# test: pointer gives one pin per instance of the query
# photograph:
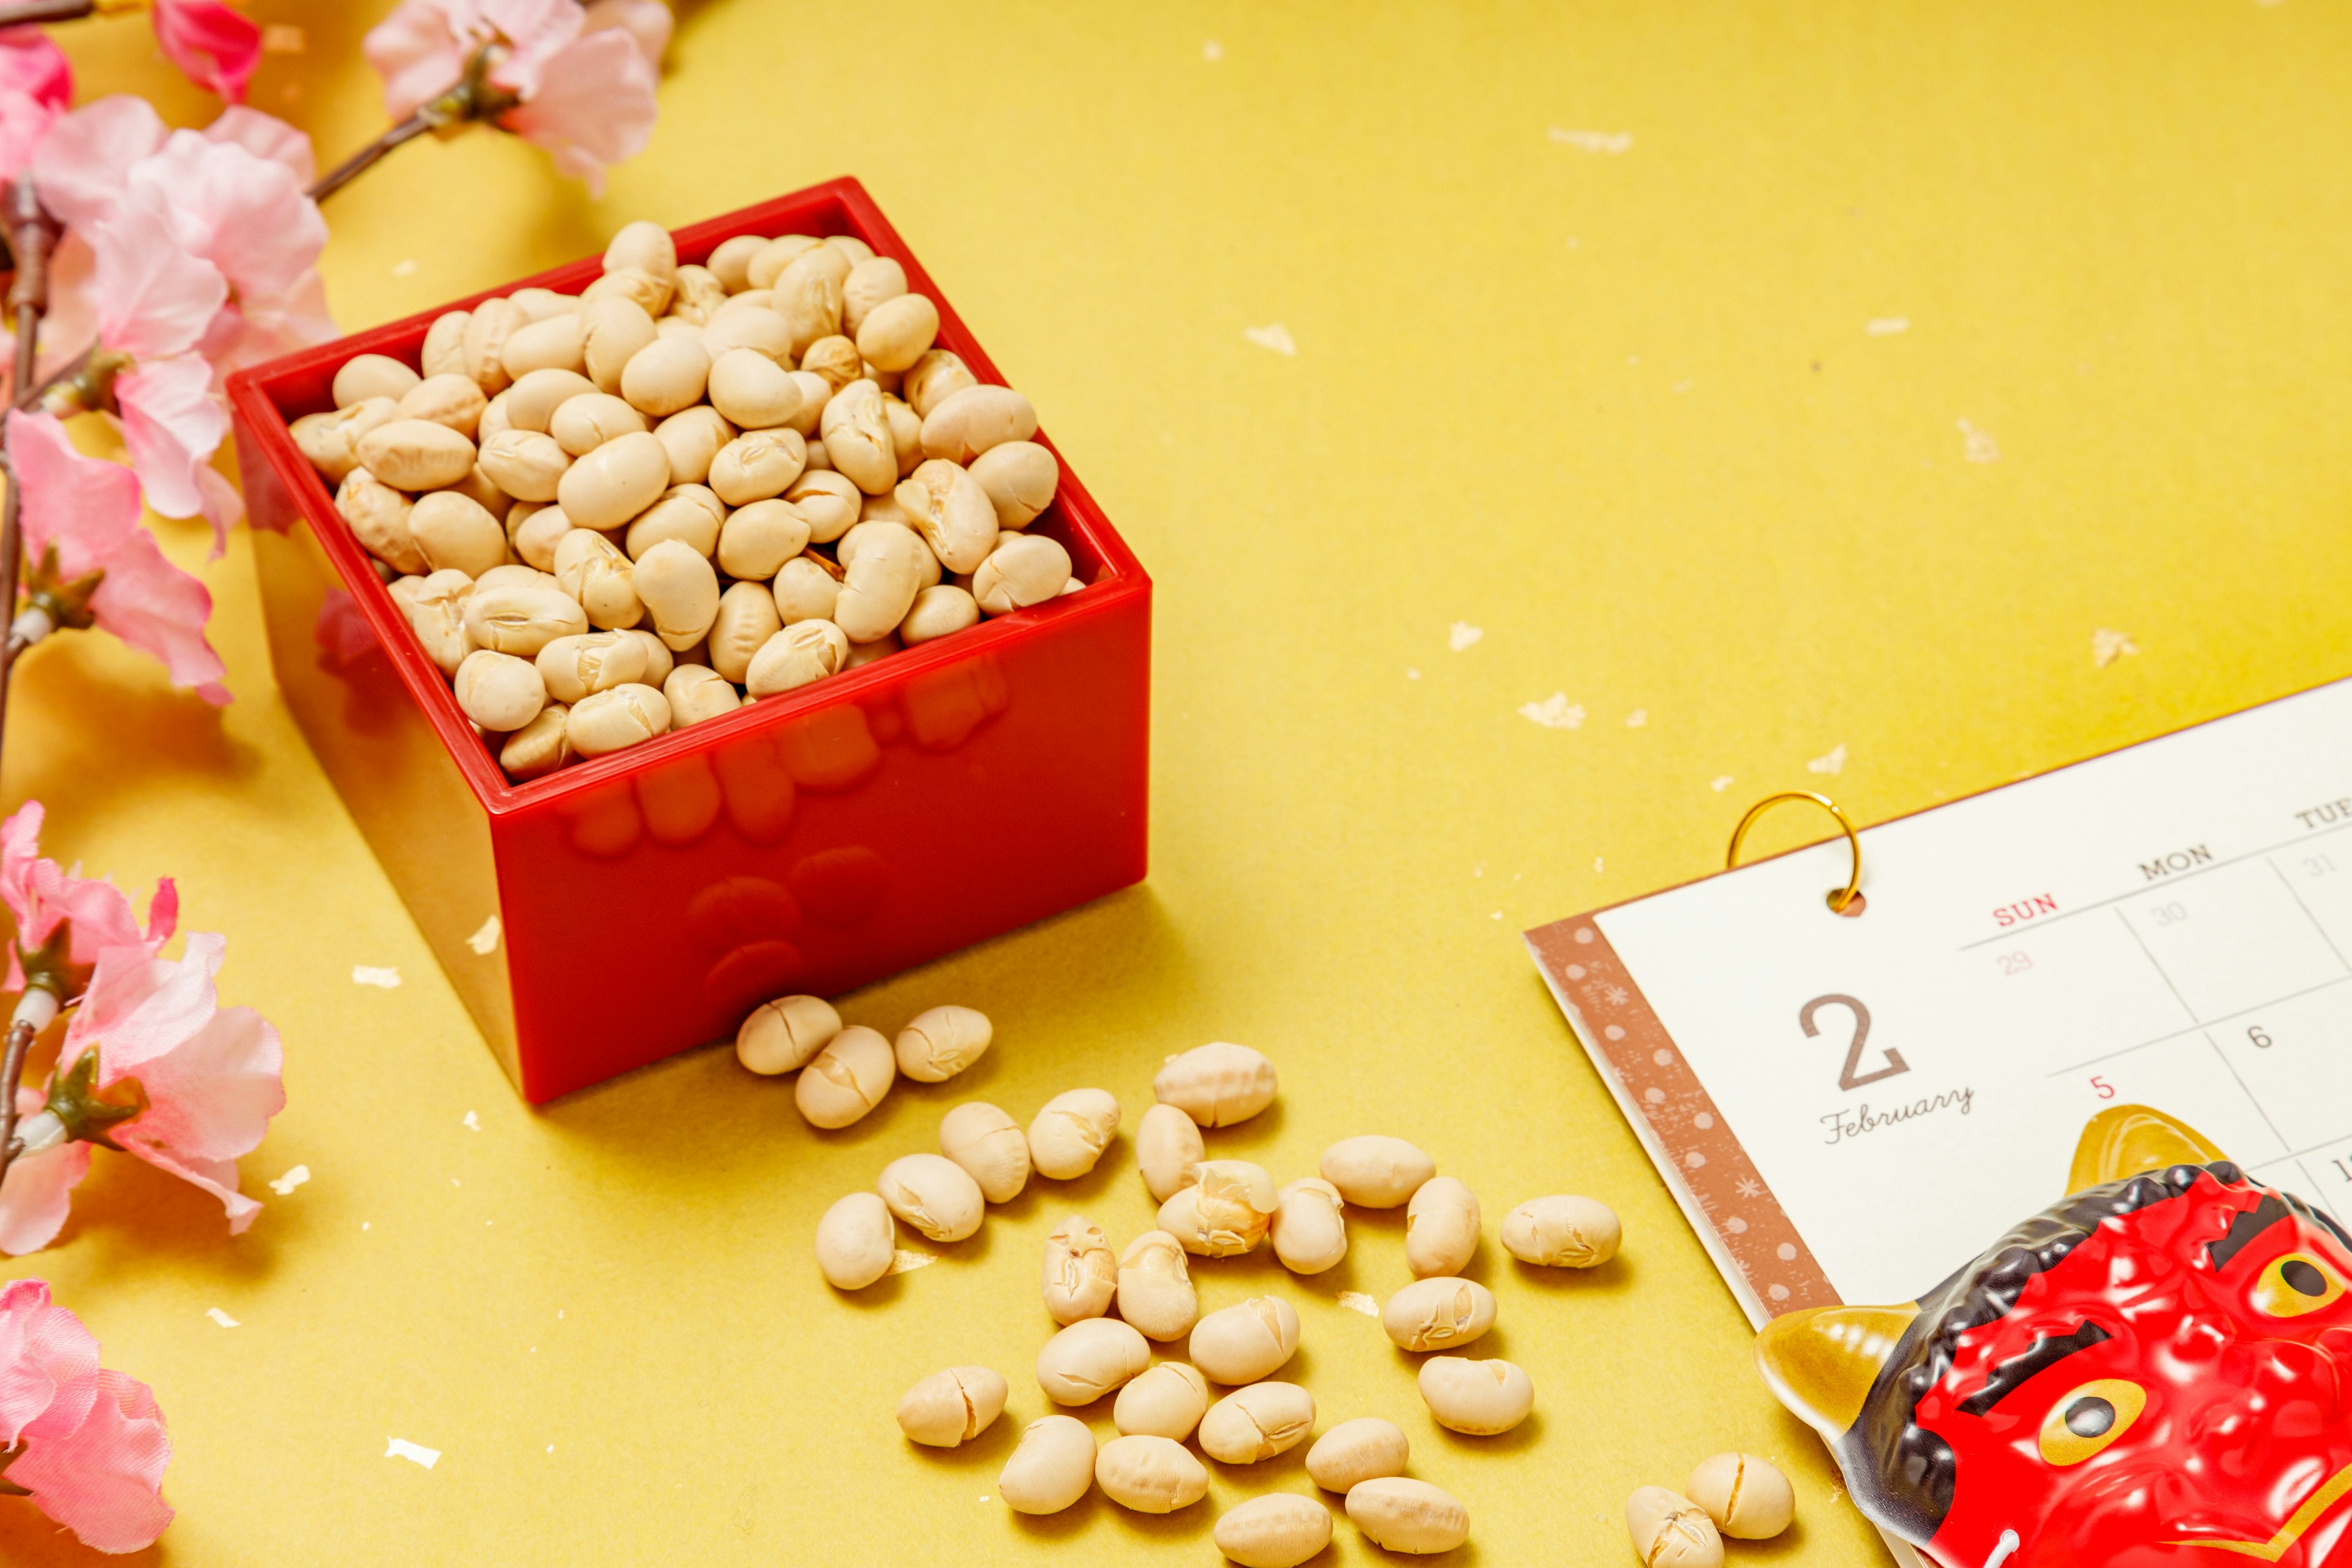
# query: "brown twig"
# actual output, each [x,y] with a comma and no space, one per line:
[30,235]
[12,1073]
[31,398]
[471,97]
[366,158]
[26,13]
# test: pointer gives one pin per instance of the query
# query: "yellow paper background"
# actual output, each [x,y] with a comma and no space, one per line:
[1618,410]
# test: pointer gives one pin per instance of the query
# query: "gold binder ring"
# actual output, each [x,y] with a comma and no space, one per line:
[1845,901]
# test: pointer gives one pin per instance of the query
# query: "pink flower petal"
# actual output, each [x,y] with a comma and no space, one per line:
[421,50]
[647,21]
[223,506]
[24,120]
[173,425]
[35,85]
[38,893]
[594,107]
[162,913]
[265,329]
[140,1008]
[211,1076]
[154,298]
[535,32]
[213,45]
[245,214]
[38,1192]
[90,507]
[157,608]
[218,1177]
[85,508]
[48,1361]
[266,136]
[33,65]
[80,166]
[212,1096]
[102,1477]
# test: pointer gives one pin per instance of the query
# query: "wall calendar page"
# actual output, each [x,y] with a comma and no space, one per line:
[1848,1108]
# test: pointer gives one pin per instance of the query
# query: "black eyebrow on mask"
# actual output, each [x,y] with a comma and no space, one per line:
[2248,1224]
[2045,1351]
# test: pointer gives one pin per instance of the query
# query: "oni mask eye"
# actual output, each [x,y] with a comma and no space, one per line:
[2088,1418]
[2297,1283]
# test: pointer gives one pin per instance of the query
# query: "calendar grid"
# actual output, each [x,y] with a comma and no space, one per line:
[2195,1023]
[2306,908]
[2243,1088]
[2193,1028]
[2174,880]
[2282,1119]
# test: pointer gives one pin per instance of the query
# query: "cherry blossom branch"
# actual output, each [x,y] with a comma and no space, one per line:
[30,235]
[30,398]
[471,97]
[12,1073]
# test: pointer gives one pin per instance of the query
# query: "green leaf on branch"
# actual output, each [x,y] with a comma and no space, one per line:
[65,601]
[86,1111]
[45,966]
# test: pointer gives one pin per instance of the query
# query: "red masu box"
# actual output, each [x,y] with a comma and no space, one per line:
[641,903]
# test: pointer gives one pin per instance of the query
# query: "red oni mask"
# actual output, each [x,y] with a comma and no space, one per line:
[2156,1373]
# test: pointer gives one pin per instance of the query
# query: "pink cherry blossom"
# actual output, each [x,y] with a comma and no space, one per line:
[246,214]
[646,21]
[593,107]
[156,302]
[39,894]
[35,85]
[31,63]
[209,1076]
[266,136]
[89,1444]
[213,45]
[88,510]
[84,163]
[421,50]
[584,94]
[232,195]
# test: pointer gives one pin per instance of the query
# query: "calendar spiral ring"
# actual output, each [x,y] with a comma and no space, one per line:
[1845,901]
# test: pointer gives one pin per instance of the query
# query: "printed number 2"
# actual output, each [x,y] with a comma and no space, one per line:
[1852,1077]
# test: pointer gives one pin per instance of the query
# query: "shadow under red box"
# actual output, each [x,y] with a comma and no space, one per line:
[645,900]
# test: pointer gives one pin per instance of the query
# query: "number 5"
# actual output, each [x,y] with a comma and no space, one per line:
[2104,1089]
[1850,1078]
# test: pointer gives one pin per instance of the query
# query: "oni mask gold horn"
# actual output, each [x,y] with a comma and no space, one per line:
[2131,1141]
[1822,1362]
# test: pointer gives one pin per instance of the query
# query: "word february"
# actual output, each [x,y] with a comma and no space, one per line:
[1846,1124]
